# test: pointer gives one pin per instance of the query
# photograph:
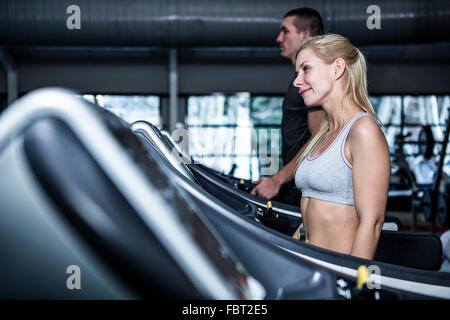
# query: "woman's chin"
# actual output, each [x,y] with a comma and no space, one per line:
[311,103]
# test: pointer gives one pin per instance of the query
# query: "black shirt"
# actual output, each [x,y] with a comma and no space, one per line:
[294,124]
[294,134]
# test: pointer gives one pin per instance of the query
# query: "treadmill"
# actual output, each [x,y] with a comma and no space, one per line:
[282,217]
[414,277]
[80,191]
[287,217]
[279,216]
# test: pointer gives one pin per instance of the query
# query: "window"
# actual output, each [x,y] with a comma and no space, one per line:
[407,115]
[130,108]
[245,130]
[266,114]
[240,130]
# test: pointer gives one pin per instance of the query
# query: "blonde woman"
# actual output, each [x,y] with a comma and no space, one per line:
[344,172]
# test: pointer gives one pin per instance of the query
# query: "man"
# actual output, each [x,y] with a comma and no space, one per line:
[297,26]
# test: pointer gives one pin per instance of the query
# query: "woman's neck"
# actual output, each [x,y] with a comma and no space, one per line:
[339,113]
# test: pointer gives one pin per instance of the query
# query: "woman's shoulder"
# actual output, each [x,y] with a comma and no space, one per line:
[366,130]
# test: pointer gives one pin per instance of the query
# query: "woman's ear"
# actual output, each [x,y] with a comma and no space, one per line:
[338,68]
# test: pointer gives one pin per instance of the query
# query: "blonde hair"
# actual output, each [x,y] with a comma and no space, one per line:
[328,48]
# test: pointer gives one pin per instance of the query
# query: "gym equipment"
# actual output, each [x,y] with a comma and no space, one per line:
[79,189]
[152,137]
[418,250]
[286,218]
[402,178]
[412,245]
[236,230]
[434,200]
[426,142]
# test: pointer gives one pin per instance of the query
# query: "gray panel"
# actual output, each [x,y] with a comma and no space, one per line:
[95,77]
[207,77]
[37,245]
[197,78]
[415,79]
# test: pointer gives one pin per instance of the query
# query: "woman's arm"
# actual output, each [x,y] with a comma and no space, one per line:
[295,235]
[370,160]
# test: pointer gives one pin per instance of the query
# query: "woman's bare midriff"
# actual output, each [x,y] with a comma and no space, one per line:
[329,225]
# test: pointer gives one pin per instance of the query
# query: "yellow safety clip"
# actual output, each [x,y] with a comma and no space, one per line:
[363,277]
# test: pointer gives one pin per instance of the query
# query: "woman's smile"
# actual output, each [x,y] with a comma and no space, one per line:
[304,91]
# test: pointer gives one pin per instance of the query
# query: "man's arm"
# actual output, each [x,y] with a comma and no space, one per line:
[269,187]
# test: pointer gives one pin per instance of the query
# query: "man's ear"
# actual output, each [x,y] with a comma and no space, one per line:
[305,35]
[338,68]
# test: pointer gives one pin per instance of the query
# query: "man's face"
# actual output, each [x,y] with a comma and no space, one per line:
[290,39]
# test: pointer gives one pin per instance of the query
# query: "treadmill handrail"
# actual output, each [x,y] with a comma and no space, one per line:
[246,196]
[174,160]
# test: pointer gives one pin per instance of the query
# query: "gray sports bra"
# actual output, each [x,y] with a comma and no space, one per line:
[328,176]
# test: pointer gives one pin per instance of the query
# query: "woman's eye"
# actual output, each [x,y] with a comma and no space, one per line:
[305,69]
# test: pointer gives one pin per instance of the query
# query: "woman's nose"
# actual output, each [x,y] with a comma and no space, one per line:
[298,81]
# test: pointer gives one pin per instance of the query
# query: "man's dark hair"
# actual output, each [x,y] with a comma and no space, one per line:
[307,19]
